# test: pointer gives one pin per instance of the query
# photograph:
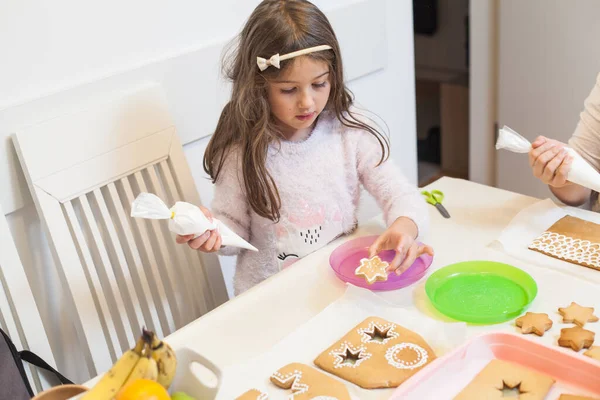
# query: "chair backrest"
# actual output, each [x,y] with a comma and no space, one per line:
[84,171]
[19,315]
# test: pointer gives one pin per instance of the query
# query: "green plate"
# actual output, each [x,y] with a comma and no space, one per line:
[481,292]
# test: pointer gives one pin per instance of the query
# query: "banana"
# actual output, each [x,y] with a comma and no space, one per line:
[164,356]
[146,368]
[112,381]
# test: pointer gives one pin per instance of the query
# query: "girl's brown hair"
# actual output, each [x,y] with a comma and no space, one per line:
[246,124]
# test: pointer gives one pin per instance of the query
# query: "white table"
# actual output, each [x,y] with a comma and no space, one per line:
[270,311]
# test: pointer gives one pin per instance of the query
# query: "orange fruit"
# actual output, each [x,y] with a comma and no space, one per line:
[143,389]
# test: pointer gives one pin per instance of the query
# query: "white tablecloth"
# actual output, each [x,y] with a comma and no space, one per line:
[249,326]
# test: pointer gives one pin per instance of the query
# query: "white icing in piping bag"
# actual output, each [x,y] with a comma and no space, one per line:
[581,172]
[185,219]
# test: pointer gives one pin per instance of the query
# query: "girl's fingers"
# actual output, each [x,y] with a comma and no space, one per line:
[411,255]
[217,245]
[181,239]
[199,241]
[210,242]
[401,249]
[376,247]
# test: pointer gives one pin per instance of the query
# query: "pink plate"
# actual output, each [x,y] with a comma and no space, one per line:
[346,258]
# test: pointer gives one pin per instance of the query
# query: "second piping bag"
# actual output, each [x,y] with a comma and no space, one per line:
[185,219]
[580,173]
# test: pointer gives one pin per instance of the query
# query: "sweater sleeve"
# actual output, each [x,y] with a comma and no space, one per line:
[586,139]
[395,195]
[229,204]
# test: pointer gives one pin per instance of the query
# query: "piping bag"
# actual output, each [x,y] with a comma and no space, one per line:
[185,219]
[580,173]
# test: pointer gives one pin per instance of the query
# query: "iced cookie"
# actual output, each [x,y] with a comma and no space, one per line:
[308,383]
[577,314]
[571,239]
[576,338]
[376,354]
[372,269]
[253,394]
[573,397]
[500,377]
[537,323]
[593,352]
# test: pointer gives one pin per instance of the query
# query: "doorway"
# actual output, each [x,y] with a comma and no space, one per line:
[441,40]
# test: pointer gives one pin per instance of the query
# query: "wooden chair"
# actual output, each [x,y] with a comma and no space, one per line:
[84,171]
[19,315]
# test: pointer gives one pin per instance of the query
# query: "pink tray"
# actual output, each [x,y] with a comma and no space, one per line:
[445,377]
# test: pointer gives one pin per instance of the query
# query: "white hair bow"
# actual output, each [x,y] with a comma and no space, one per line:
[263,63]
[275,60]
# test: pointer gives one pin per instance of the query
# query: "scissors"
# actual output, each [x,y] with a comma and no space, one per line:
[435,198]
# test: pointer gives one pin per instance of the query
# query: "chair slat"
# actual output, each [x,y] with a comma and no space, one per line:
[134,261]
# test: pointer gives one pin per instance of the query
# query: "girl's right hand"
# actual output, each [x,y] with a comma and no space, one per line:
[550,161]
[208,242]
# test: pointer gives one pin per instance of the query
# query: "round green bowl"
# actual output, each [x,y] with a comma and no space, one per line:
[481,292]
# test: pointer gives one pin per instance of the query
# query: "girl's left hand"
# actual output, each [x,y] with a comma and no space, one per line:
[400,236]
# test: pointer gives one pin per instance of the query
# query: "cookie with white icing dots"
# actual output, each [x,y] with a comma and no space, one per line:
[376,354]
[571,239]
[306,383]
[372,269]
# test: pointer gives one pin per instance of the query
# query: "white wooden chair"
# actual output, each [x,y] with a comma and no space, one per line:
[19,315]
[84,171]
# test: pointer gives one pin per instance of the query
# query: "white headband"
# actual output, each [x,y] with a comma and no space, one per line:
[275,60]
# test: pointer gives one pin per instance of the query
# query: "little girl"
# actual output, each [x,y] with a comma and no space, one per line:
[290,153]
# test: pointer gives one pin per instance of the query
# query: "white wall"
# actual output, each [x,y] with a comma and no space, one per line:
[482,90]
[58,56]
[549,58]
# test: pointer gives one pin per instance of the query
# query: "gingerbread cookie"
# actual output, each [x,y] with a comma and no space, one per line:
[308,383]
[500,376]
[593,352]
[376,354]
[576,338]
[577,314]
[253,394]
[571,239]
[573,397]
[537,323]
[373,269]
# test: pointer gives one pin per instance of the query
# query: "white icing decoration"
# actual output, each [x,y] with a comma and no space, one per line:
[366,338]
[340,355]
[421,360]
[297,387]
[372,269]
[582,252]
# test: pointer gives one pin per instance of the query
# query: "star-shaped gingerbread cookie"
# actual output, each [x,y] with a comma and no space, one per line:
[576,338]
[593,352]
[577,314]
[373,269]
[537,323]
